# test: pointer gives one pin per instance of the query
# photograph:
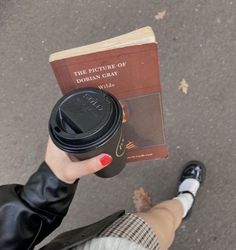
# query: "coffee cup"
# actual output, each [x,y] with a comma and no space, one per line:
[87,122]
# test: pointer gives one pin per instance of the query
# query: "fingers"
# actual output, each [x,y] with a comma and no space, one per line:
[68,168]
[55,156]
[89,166]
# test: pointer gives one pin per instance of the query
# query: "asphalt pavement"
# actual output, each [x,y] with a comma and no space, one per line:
[197,42]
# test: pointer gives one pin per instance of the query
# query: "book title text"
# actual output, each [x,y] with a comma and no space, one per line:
[99,72]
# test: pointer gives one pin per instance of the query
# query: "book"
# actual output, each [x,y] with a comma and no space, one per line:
[127,66]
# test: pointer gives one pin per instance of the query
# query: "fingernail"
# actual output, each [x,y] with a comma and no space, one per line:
[106,160]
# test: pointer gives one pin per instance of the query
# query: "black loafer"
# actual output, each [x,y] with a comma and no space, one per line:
[192,170]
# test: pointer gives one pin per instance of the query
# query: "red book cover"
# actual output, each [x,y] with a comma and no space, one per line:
[132,75]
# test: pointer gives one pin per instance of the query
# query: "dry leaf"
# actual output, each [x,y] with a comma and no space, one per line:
[160,15]
[183,86]
[141,200]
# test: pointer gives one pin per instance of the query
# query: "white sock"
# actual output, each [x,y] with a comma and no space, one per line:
[190,185]
[186,199]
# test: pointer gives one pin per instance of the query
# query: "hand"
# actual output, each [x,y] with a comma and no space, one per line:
[67,169]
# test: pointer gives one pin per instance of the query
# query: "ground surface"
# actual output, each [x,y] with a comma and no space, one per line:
[197,41]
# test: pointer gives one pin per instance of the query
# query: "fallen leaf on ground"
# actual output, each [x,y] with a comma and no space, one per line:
[183,86]
[141,200]
[160,15]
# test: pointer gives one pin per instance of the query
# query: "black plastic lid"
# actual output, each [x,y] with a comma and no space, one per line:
[83,118]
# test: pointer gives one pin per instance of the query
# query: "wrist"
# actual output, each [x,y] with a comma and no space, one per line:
[60,172]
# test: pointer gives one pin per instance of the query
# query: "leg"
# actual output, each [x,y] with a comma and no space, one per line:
[164,219]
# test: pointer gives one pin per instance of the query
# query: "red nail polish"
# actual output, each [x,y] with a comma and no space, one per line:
[106,160]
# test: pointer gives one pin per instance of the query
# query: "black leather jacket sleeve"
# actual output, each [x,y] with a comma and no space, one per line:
[31,212]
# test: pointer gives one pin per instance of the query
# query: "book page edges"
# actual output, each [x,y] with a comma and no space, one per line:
[138,37]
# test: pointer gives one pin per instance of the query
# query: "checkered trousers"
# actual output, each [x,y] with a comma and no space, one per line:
[133,228]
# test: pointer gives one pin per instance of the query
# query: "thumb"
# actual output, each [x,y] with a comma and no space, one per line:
[91,165]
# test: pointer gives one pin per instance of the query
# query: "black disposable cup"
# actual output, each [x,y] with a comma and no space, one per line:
[87,122]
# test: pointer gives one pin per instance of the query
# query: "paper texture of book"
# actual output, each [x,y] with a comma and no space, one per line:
[128,67]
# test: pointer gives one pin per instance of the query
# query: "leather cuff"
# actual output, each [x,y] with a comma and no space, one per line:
[46,193]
